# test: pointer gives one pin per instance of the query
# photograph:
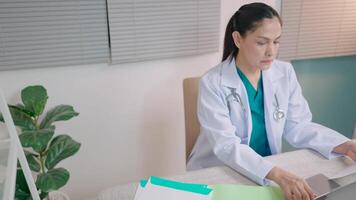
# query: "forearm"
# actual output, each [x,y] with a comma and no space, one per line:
[246,161]
[318,137]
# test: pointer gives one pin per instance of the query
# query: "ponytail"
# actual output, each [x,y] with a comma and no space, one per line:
[229,45]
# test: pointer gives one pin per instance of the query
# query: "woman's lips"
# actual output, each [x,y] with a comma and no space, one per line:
[266,61]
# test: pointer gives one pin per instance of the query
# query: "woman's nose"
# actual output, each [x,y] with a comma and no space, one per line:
[270,51]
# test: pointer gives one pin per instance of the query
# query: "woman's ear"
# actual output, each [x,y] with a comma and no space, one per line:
[237,38]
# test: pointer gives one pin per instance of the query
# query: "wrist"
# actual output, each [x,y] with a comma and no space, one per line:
[342,148]
[274,174]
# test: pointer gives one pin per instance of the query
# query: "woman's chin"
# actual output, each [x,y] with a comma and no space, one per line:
[265,66]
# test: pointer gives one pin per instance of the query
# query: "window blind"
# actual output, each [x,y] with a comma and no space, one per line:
[318,28]
[154,29]
[43,33]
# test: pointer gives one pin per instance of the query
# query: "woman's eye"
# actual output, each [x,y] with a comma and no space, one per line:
[261,43]
[276,42]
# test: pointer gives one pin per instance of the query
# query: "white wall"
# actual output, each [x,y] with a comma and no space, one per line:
[131,122]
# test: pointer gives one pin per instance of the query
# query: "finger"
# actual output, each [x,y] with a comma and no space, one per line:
[297,194]
[309,190]
[305,195]
[288,195]
[303,192]
[352,155]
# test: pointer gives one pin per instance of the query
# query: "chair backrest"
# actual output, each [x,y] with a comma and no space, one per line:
[192,126]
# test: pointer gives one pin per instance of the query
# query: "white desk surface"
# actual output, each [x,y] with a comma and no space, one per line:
[304,163]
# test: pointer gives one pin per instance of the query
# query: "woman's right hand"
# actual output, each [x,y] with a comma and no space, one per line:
[294,187]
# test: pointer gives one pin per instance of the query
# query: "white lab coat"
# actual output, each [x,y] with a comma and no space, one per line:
[225,128]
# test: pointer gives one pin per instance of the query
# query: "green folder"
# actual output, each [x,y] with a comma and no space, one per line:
[245,192]
[221,191]
[190,187]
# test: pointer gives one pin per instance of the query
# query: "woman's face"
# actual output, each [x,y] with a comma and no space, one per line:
[257,49]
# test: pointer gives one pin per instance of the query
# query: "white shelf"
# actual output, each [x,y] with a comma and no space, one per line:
[5,145]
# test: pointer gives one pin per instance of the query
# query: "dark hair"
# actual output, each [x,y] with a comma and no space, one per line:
[247,18]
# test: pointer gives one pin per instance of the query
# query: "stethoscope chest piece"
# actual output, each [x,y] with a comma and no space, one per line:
[278,114]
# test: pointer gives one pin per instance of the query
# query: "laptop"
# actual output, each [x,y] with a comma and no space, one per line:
[322,186]
[347,192]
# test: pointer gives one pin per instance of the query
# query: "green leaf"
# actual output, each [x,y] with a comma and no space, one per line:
[43,195]
[62,147]
[21,108]
[34,98]
[59,138]
[21,195]
[52,180]
[33,162]
[37,139]
[58,113]
[22,192]
[21,118]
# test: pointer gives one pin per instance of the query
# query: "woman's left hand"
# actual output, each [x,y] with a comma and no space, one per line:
[348,148]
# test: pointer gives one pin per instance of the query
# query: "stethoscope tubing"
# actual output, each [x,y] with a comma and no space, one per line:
[278,113]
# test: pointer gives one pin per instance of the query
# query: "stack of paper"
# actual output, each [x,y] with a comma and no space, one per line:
[158,188]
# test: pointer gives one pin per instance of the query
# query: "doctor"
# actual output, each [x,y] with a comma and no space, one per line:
[250,101]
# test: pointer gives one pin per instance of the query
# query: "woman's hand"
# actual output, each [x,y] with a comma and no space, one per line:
[348,148]
[294,187]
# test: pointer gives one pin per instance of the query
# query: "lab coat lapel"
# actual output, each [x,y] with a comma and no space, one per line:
[230,79]
[270,79]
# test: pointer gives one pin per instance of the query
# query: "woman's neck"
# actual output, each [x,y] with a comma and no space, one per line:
[252,74]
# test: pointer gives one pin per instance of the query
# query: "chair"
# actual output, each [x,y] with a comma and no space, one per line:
[192,126]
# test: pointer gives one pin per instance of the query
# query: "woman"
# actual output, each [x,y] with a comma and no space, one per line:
[250,100]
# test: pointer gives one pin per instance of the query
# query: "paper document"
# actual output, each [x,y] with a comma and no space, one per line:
[345,172]
[234,192]
[158,188]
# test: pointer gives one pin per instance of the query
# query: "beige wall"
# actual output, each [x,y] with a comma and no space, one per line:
[131,122]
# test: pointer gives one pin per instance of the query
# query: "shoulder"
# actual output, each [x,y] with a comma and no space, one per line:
[282,67]
[214,75]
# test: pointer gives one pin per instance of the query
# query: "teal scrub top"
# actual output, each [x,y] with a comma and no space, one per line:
[259,140]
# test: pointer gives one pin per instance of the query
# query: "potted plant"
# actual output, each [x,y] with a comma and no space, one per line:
[43,148]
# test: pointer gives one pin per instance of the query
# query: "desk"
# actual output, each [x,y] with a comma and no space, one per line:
[304,163]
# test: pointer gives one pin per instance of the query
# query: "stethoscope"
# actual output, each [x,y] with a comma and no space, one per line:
[278,113]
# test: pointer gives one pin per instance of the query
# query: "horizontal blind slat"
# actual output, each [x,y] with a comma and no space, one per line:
[48,33]
[308,33]
[145,30]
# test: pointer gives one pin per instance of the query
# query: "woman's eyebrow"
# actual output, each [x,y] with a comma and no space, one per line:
[266,38]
